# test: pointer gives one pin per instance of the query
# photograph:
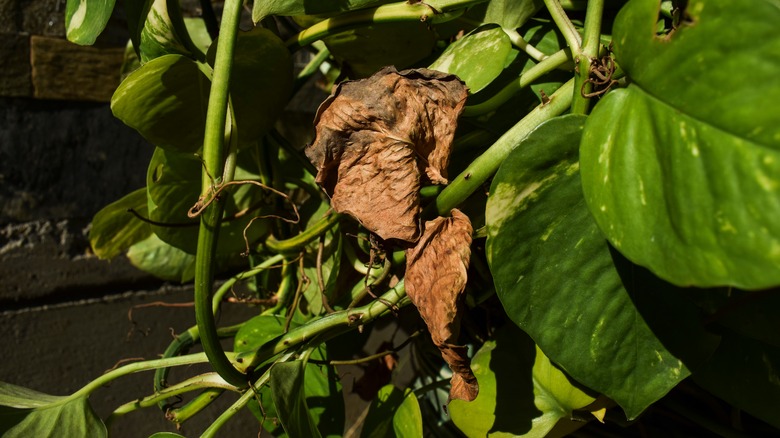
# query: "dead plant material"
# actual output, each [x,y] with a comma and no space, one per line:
[378,138]
[436,274]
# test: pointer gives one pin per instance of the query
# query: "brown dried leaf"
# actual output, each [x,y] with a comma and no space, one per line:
[377,138]
[436,274]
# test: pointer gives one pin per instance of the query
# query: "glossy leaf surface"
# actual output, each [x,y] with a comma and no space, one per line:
[290,399]
[393,413]
[559,281]
[477,58]
[86,19]
[164,33]
[114,228]
[324,400]
[165,101]
[257,331]
[680,169]
[520,392]
[367,49]
[173,187]
[162,260]
[509,14]
[260,82]
[28,413]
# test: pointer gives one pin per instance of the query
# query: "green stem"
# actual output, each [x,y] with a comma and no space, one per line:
[243,400]
[328,326]
[208,380]
[286,285]
[297,243]
[590,51]
[131,368]
[214,156]
[486,164]
[312,67]
[431,12]
[197,404]
[182,343]
[519,42]
[262,267]
[549,64]
[565,25]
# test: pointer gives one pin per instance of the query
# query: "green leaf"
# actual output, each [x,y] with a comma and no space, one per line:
[256,332]
[260,83]
[477,58]
[267,8]
[173,187]
[28,413]
[162,260]
[19,397]
[520,392]
[745,373]
[165,101]
[367,49]
[324,400]
[393,413]
[290,400]
[166,435]
[509,14]
[114,228]
[558,280]
[680,169]
[165,33]
[407,421]
[86,19]
[136,11]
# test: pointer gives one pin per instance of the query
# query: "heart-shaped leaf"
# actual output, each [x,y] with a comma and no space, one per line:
[162,260]
[558,280]
[164,32]
[367,49]
[520,392]
[165,101]
[173,188]
[86,19]
[680,169]
[477,58]
[393,413]
[27,413]
[258,331]
[260,83]
[114,228]
[290,399]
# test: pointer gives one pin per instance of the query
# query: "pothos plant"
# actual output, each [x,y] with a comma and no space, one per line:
[611,232]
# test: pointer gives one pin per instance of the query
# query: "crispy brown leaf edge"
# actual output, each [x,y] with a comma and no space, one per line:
[378,138]
[436,275]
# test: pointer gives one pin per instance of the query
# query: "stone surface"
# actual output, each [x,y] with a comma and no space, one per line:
[63,70]
[15,77]
[62,160]
[10,17]
[57,349]
[50,260]
[43,17]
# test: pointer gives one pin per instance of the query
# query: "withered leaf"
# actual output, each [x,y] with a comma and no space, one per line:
[378,138]
[436,274]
